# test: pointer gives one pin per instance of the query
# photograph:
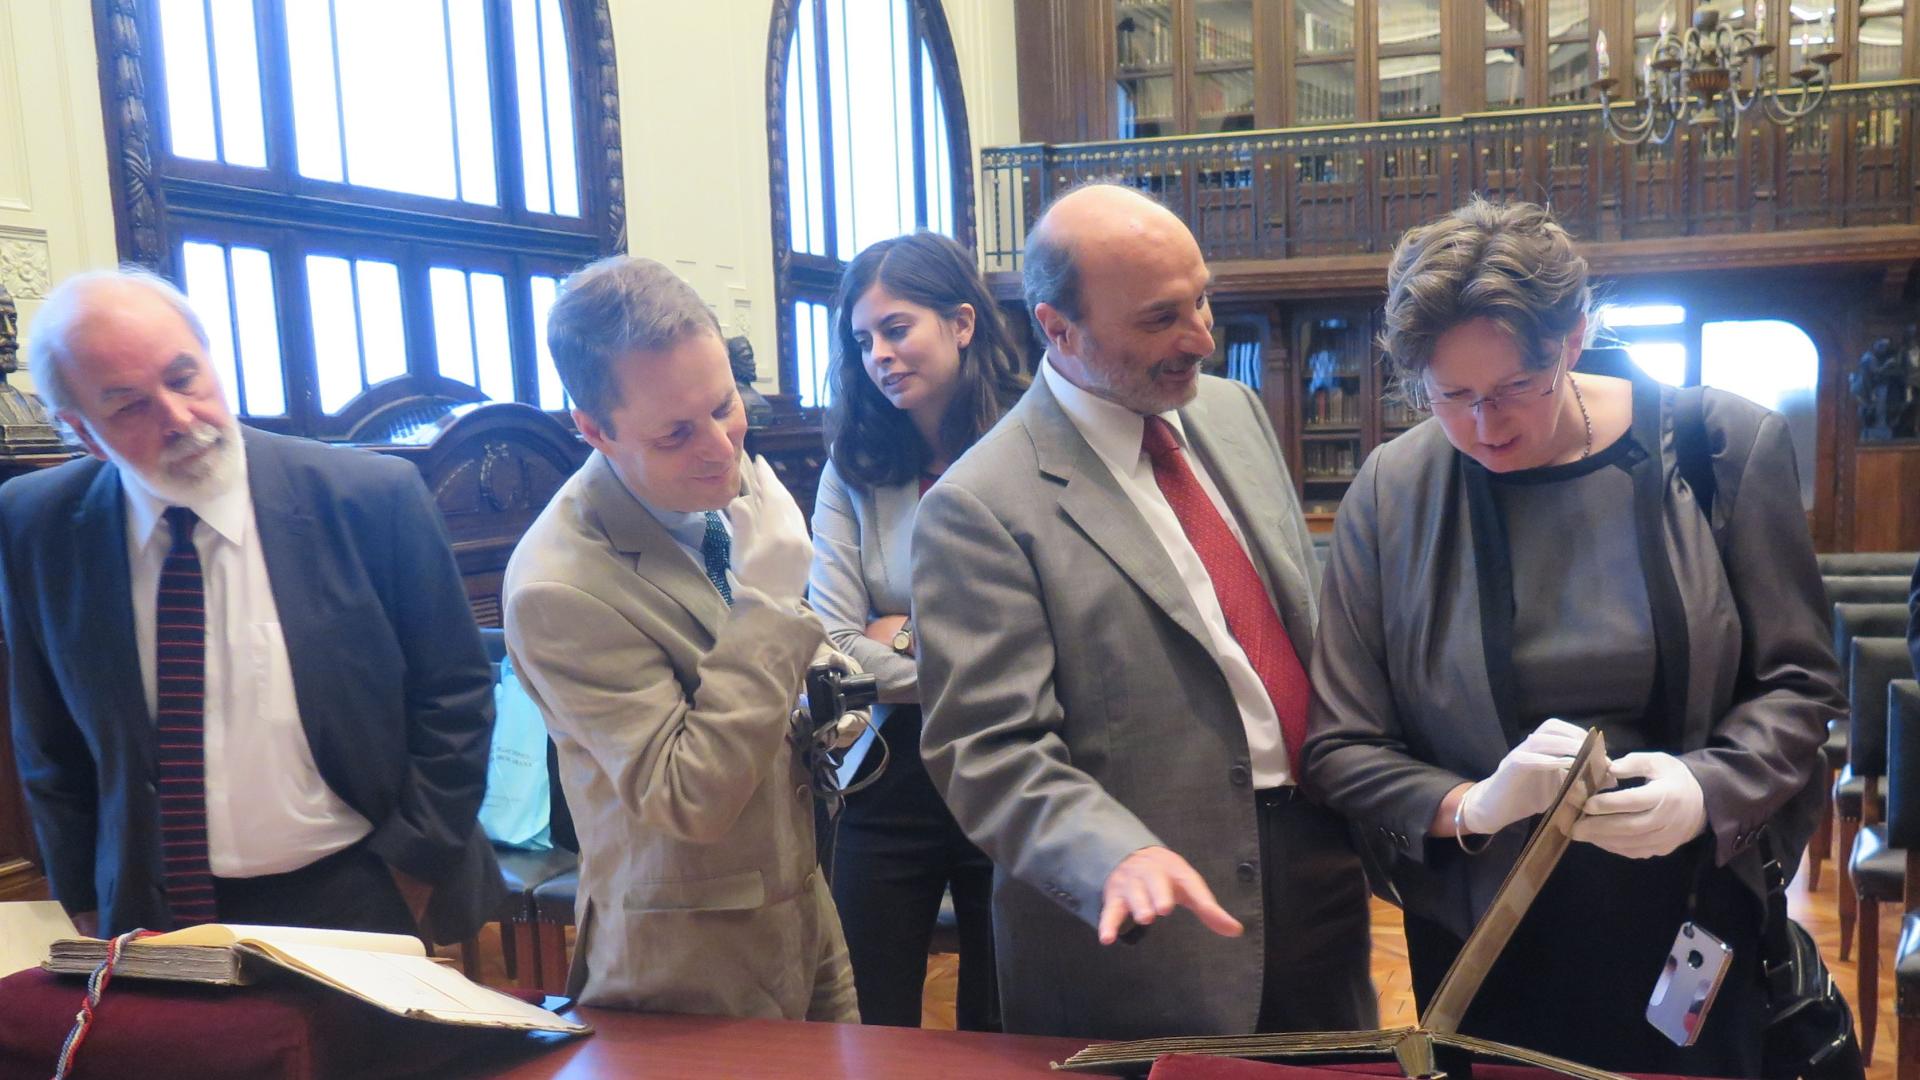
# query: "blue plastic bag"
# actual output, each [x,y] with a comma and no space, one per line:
[517,809]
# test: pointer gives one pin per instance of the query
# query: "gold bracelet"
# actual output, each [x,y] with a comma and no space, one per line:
[1460,827]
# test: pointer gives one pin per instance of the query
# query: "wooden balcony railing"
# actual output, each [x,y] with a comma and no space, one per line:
[1353,190]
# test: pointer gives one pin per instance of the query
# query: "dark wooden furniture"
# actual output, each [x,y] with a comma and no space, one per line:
[1118,69]
[640,1045]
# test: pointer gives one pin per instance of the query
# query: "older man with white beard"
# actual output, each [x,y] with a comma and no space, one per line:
[246,684]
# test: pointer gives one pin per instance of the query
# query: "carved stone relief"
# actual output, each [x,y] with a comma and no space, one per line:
[26,268]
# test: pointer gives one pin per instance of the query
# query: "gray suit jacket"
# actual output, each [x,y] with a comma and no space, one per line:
[1075,714]
[1407,698]
[699,888]
[862,552]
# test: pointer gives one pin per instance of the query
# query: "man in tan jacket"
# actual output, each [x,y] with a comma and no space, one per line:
[654,612]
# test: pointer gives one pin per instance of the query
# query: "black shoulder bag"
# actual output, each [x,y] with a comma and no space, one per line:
[1809,1026]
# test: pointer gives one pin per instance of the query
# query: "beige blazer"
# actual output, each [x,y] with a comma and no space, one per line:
[699,887]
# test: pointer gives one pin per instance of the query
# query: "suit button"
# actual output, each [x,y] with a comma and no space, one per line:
[1240,775]
[1246,871]
[802,792]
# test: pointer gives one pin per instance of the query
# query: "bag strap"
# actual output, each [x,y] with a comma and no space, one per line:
[1691,451]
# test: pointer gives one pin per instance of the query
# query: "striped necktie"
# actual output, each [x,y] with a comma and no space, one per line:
[180,648]
[716,547]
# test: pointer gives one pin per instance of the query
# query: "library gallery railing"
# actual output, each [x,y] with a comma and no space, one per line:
[1353,190]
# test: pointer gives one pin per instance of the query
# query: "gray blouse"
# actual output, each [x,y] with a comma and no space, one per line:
[1583,636]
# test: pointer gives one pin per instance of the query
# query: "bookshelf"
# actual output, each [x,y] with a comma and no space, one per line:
[1339,405]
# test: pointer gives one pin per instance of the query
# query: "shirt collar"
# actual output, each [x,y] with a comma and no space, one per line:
[688,528]
[226,513]
[1113,430]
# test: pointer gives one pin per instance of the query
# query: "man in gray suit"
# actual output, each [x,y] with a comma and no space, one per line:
[1114,590]
[655,613]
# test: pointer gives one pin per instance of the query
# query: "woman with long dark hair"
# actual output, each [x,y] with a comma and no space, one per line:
[923,365]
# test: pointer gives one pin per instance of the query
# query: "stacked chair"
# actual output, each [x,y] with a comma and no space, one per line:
[1855,579]
[1847,790]
[1878,862]
[1903,831]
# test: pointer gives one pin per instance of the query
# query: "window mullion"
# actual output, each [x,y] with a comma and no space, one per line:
[509,177]
[824,98]
[916,98]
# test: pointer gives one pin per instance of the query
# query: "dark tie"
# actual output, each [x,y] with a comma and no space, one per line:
[180,649]
[1243,599]
[717,548]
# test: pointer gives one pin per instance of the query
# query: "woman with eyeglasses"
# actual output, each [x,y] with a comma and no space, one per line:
[1532,562]
[923,365]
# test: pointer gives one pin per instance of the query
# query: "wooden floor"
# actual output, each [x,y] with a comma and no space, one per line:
[1817,912]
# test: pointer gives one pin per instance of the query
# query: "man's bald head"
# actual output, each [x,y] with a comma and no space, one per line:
[1117,288]
[1086,223]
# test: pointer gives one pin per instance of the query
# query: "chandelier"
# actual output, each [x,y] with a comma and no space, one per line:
[1711,76]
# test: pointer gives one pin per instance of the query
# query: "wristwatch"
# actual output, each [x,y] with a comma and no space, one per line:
[903,639]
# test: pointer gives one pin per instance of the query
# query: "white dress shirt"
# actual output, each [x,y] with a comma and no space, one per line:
[689,531]
[1115,432]
[268,810]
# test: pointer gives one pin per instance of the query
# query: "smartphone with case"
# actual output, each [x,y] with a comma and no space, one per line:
[1689,981]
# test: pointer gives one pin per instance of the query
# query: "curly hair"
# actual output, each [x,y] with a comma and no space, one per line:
[1505,261]
[875,444]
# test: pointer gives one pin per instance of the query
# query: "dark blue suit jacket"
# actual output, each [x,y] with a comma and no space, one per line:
[394,688]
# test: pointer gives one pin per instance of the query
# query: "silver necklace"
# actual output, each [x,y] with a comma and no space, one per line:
[1584,418]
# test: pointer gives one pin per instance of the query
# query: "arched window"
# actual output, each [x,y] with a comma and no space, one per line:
[370,202]
[866,139]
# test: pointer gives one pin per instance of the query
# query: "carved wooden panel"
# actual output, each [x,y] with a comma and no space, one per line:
[1886,497]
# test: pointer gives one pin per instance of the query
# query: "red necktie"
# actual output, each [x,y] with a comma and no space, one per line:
[1243,599]
[180,647]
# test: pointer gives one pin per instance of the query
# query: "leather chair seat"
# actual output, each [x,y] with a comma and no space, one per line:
[1867,563]
[1868,588]
[553,899]
[524,871]
[1835,748]
[1906,968]
[1879,871]
[1849,791]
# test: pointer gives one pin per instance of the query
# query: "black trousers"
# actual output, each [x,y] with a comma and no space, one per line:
[1575,979]
[898,851]
[1314,901]
[351,889]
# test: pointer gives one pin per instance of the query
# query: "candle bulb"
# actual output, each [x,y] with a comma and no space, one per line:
[1600,53]
[1666,22]
[1760,16]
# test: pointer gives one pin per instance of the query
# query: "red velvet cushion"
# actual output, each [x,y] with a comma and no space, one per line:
[284,1030]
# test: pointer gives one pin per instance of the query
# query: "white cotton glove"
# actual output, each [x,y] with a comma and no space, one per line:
[1526,781]
[771,550]
[1652,819]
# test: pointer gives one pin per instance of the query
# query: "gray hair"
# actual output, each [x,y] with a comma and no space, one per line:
[50,344]
[1509,262]
[612,307]
[1049,274]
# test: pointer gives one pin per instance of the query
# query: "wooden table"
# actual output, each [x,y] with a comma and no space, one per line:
[650,1045]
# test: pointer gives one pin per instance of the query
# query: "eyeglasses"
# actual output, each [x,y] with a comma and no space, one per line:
[1520,394]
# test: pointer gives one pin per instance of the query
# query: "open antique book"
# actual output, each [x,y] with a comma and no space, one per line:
[1414,1047]
[392,971]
